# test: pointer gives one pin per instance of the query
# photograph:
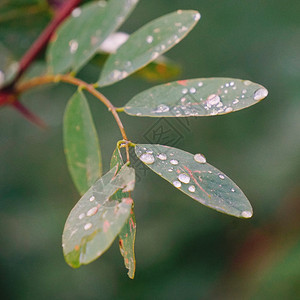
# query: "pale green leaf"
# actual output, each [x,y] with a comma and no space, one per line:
[79,38]
[95,221]
[193,176]
[128,232]
[196,97]
[81,143]
[146,44]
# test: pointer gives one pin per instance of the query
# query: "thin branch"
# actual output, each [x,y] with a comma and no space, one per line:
[22,87]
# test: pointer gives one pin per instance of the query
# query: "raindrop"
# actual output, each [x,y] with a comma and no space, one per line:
[170,170]
[149,39]
[154,55]
[231,83]
[246,214]
[213,99]
[235,101]
[184,91]
[87,226]
[76,12]
[200,158]
[92,198]
[247,82]
[244,91]
[221,176]
[260,94]
[162,156]
[92,211]
[192,90]
[177,184]
[147,158]
[225,91]
[183,99]
[73,46]
[233,190]
[81,216]
[192,188]
[184,178]
[227,84]
[228,109]
[174,162]
[162,108]
[197,17]
[200,83]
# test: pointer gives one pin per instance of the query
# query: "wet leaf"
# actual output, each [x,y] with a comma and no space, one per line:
[81,143]
[95,220]
[128,232]
[79,38]
[196,178]
[146,44]
[196,97]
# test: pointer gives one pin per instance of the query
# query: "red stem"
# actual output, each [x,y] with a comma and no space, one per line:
[43,39]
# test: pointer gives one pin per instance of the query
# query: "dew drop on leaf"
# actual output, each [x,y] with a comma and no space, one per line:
[162,156]
[174,162]
[184,178]
[246,214]
[147,158]
[192,188]
[260,94]
[177,183]
[88,226]
[200,158]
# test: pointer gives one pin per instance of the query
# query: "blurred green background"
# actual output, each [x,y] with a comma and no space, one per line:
[183,250]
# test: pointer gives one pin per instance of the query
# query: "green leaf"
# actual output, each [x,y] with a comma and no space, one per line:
[81,143]
[146,44]
[79,38]
[95,220]
[196,97]
[196,178]
[128,232]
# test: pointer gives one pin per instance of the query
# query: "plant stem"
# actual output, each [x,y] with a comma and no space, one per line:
[43,39]
[22,87]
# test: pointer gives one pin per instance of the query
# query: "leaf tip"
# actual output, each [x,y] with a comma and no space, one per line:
[247,214]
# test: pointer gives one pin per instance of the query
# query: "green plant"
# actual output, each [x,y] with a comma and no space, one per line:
[105,209]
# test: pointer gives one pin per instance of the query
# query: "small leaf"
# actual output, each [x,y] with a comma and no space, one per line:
[146,44]
[128,232]
[81,143]
[95,220]
[79,38]
[196,97]
[196,178]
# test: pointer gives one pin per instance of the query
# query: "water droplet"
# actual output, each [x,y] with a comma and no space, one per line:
[149,39]
[114,41]
[154,55]
[244,91]
[76,12]
[162,108]
[197,17]
[92,198]
[182,100]
[221,176]
[225,91]
[213,99]
[192,90]
[200,83]
[260,94]
[174,162]
[147,158]
[228,109]
[184,178]
[87,226]
[162,156]
[92,211]
[247,82]
[233,190]
[227,84]
[184,91]
[200,158]
[81,216]
[170,170]
[235,101]
[246,214]
[177,184]
[192,188]
[231,83]
[149,151]
[73,46]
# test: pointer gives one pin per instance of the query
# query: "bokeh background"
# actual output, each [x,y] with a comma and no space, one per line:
[183,250]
